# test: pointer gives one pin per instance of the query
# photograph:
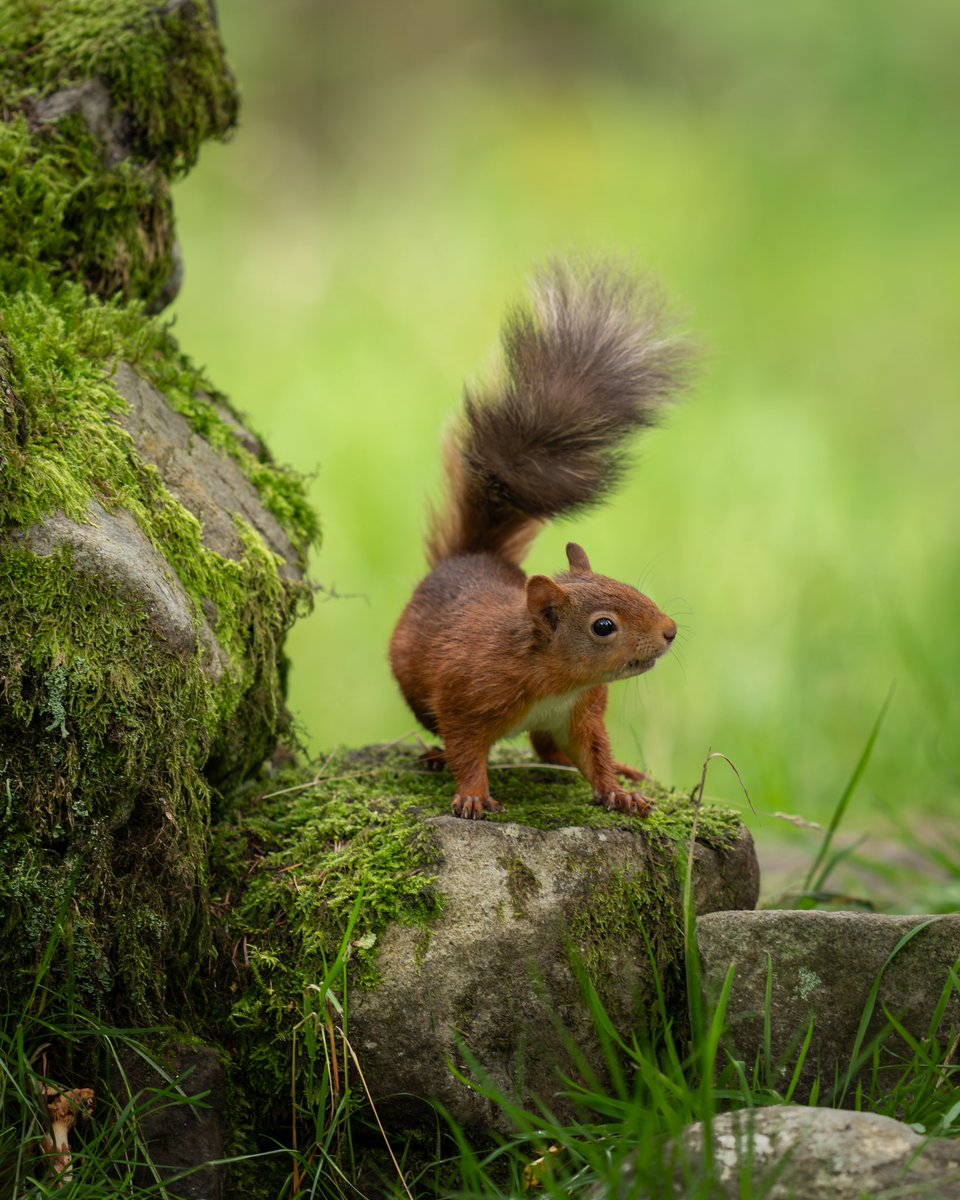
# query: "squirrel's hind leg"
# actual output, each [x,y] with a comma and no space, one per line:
[547,750]
[433,758]
[631,773]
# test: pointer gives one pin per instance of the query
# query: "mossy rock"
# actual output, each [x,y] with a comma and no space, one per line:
[141,662]
[456,933]
[103,102]
[151,554]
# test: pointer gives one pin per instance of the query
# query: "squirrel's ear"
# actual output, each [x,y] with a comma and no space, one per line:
[577,558]
[544,598]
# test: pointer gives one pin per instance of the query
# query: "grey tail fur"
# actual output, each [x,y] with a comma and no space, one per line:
[592,360]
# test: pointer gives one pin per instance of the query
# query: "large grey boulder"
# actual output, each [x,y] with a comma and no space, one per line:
[822,967]
[493,979]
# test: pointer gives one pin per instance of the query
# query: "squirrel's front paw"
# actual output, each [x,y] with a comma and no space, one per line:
[472,808]
[617,800]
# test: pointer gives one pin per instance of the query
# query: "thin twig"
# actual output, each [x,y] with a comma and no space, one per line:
[356,1063]
[303,786]
[532,766]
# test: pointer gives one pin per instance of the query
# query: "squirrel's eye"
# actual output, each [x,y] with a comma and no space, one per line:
[603,627]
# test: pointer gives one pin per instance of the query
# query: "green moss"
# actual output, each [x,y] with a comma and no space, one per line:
[85,180]
[293,854]
[545,797]
[106,813]
[66,208]
[293,865]
[522,883]
[645,902]
[162,65]
[424,938]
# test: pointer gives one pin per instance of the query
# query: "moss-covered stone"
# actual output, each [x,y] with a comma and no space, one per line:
[162,64]
[308,852]
[106,734]
[115,728]
[64,205]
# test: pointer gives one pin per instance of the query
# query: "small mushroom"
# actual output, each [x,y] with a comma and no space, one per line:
[64,1109]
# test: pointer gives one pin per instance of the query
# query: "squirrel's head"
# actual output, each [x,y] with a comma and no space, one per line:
[600,629]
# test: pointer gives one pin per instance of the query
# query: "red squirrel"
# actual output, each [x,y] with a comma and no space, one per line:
[482,652]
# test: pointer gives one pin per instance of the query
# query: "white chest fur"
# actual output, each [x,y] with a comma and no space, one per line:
[551,715]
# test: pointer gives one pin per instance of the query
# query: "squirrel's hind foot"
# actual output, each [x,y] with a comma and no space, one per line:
[617,800]
[472,808]
[433,758]
[631,773]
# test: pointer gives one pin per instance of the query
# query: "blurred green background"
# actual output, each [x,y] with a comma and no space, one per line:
[791,173]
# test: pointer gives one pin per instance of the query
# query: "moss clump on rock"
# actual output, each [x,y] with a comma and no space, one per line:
[522,882]
[103,101]
[65,206]
[162,65]
[61,446]
[301,854]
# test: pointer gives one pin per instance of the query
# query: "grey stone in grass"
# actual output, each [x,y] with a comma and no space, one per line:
[797,1153]
[822,967]
[791,1152]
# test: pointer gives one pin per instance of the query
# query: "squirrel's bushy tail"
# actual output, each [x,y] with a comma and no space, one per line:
[592,360]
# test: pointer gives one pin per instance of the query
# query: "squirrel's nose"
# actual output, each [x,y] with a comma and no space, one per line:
[669,630]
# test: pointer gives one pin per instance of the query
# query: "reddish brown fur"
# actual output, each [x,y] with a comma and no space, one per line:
[481,651]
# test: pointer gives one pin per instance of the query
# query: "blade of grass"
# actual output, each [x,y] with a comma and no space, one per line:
[816,876]
[798,1066]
